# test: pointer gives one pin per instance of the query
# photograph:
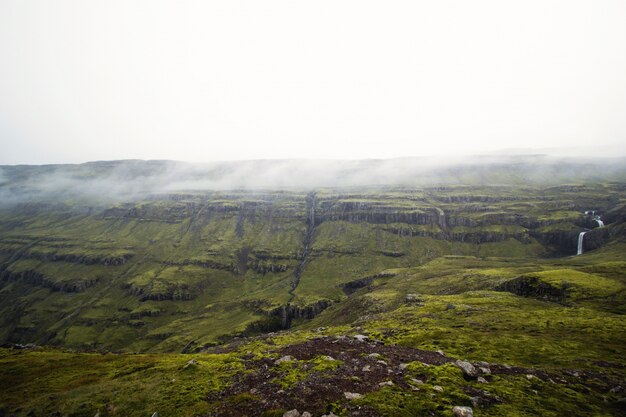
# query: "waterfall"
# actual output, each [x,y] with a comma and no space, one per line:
[600,222]
[580,243]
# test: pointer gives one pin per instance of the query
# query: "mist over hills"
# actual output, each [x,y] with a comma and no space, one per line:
[131,179]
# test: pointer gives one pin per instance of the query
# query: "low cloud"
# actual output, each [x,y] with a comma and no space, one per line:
[107,181]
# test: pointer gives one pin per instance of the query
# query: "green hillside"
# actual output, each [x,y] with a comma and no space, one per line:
[101,297]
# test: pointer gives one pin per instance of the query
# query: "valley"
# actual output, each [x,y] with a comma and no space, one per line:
[211,302]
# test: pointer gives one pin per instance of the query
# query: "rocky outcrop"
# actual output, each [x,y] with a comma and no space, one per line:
[40,280]
[205,263]
[289,312]
[351,286]
[484,236]
[359,212]
[282,317]
[171,213]
[112,260]
[264,267]
[529,286]
[171,292]
[596,238]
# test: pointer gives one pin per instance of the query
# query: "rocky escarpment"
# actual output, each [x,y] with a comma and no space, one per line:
[281,318]
[289,312]
[38,279]
[172,292]
[85,259]
[373,212]
[352,286]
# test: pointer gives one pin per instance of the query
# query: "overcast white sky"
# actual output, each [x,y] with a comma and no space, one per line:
[221,80]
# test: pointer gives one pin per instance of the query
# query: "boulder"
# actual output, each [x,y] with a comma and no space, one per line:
[292,413]
[190,364]
[468,369]
[287,358]
[463,411]
[352,395]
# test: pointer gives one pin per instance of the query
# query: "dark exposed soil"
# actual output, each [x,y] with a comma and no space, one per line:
[364,366]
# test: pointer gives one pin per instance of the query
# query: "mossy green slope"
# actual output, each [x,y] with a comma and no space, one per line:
[182,271]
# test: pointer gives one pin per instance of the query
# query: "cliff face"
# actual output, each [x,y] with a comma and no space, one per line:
[202,260]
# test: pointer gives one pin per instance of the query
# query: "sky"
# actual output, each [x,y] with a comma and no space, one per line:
[233,80]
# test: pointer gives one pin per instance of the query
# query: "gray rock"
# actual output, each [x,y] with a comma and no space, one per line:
[292,413]
[306,414]
[403,366]
[191,363]
[482,380]
[330,415]
[463,411]
[287,358]
[468,369]
[352,395]
[155,414]
[485,370]
[366,368]
[412,298]
[438,388]
[386,383]
[361,337]
[417,381]
[441,352]
[374,355]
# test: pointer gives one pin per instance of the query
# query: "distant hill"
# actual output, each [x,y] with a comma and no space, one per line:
[130,179]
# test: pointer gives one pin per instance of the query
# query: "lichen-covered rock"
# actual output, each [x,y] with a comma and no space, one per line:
[287,358]
[459,411]
[468,369]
